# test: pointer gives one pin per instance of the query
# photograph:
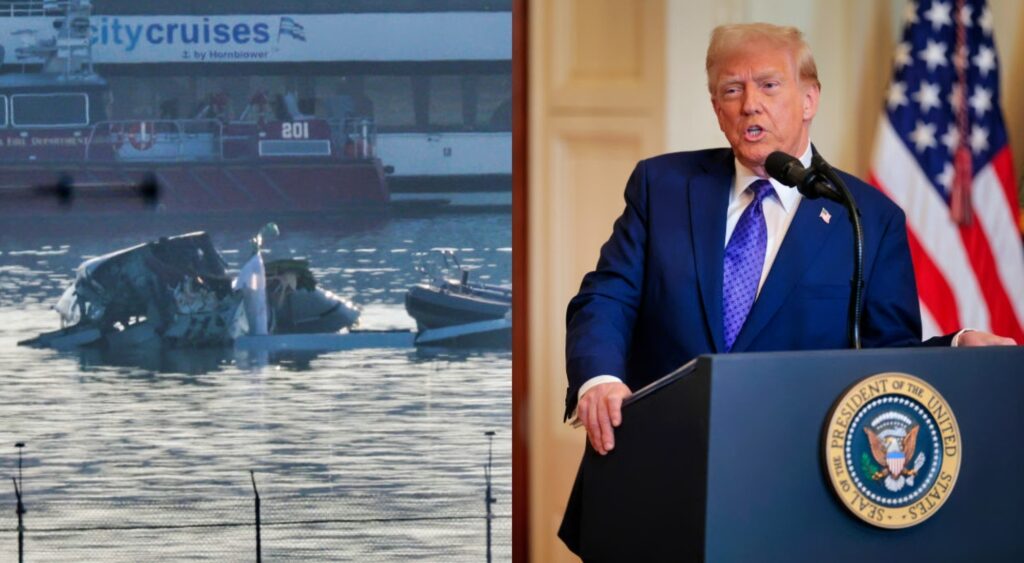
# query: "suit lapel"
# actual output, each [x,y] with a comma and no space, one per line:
[709,203]
[805,238]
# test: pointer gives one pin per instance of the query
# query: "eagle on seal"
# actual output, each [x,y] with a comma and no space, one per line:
[892,453]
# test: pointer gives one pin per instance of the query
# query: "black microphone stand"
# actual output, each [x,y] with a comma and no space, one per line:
[857,289]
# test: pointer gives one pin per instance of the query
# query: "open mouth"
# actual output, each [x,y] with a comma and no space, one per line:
[753,133]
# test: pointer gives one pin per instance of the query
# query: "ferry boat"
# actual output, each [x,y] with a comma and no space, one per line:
[61,149]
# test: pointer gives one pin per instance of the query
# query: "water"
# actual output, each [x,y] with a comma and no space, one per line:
[366,447]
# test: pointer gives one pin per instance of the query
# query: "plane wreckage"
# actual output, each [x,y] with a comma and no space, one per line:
[176,292]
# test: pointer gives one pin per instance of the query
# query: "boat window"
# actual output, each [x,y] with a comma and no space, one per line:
[494,102]
[446,104]
[392,96]
[29,110]
[3,111]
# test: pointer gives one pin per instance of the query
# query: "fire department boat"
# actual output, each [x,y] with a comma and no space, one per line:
[60,150]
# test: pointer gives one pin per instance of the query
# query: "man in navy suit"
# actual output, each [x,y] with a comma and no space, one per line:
[710,256]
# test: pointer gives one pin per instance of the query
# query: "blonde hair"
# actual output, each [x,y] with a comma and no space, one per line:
[726,39]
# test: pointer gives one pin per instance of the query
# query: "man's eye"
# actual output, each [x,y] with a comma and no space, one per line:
[771,85]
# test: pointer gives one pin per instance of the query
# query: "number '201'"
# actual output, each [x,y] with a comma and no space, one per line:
[297,130]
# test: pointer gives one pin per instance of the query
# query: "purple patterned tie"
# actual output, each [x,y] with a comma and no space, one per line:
[744,259]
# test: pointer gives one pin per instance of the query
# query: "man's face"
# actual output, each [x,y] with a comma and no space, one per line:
[761,105]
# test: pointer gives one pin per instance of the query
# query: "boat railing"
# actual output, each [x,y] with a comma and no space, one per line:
[356,136]
[189,140]
[34,8]
[156,140]
[449,274]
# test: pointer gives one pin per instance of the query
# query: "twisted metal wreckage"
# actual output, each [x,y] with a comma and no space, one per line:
[176,292]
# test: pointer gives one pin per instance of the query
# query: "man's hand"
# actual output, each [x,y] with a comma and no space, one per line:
[599,410]
[979,338]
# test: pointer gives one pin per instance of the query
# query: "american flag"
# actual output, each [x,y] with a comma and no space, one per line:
[288,26]
[942,154]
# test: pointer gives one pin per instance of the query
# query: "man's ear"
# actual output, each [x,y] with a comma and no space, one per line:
[811,95]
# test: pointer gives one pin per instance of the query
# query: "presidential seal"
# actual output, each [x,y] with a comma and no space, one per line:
[892,450]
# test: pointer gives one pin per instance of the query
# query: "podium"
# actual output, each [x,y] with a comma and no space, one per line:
[723,460]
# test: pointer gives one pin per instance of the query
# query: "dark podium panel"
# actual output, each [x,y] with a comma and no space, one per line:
[722,461]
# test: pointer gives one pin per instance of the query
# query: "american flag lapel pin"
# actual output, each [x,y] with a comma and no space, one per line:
[825,215]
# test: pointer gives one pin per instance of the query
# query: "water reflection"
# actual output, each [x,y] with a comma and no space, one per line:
[155,359]
[152,357]
[132,424]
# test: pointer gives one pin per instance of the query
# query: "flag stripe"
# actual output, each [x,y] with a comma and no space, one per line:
[1001,316]
[1002,164]
[929,327]
[928,215]
[1003,240]
[932,288]
[933,291]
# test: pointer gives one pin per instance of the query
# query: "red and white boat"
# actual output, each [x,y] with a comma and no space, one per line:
[60,151]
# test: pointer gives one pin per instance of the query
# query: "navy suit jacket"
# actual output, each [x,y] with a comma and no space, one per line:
[655,300]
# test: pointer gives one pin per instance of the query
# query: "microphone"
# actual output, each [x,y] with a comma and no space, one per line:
[821,180]
[808,181]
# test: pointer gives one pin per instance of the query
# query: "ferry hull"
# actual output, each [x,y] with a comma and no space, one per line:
[192,187]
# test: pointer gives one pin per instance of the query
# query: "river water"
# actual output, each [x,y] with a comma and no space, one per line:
[364,455]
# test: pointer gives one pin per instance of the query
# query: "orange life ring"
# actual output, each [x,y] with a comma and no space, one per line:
[142,135]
